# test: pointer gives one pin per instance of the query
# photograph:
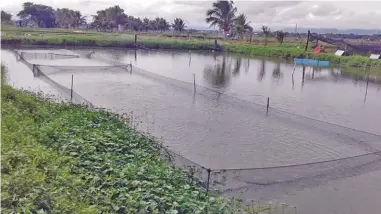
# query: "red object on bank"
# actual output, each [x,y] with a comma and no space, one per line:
[317,49]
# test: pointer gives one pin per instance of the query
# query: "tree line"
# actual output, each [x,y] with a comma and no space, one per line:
[223,14]
[104,20]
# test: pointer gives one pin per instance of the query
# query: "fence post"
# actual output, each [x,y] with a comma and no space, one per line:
[208,182]
[136,38]
[308,38]
[71,89]
[194,81]
[304,73]
[268,105]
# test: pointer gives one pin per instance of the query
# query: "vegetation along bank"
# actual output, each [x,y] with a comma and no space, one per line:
[64,158]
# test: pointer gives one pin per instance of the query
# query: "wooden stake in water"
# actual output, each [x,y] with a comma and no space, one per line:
[194,81]
[268,105]
[71,89]
[308,38]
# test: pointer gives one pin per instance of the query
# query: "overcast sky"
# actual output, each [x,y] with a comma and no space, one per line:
[276,14]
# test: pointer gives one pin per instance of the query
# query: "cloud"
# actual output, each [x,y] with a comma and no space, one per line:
[276,14]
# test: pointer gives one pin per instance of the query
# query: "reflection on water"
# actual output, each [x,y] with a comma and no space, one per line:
[276,72]
[237,66]
[262,70]
[218,75]
[324,93]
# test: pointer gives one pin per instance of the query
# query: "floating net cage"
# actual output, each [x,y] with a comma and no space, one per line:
[236,180]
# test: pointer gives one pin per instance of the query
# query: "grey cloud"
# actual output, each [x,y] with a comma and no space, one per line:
[272,13]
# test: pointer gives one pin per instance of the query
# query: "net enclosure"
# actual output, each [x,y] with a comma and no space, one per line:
[241,179]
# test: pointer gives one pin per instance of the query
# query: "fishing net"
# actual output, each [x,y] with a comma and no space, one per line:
[362,48]
[46,56]
[225,180]
[233,180]
[66,92]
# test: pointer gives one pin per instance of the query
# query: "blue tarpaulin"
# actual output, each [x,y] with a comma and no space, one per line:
[311,62]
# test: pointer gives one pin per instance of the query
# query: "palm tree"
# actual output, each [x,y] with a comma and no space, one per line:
[241,25]
[163,25]
[222,15]
[178,24]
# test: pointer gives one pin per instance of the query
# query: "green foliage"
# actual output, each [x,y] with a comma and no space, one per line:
[109,18]
[222,15]
[280,36]
[42,15]
[241,26]
[62,158]
[178,24]
[266,31]
[69,18]
[5,17]
[3,74]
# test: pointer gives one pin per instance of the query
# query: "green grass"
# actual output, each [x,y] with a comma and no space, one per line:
[62,158]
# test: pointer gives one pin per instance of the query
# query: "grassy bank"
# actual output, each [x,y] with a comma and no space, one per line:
[67,37]
[61,158]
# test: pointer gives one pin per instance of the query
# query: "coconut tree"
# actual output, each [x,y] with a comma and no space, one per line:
[241,26]
[178,24]
[222,15]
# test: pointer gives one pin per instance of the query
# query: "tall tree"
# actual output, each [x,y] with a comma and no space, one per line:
[69,18]
[266,31]
[241,25]
[146,24]
[109,18]
[222,14]
[43,15]
[5,17]
[162,24]
[280,36]
[178,24]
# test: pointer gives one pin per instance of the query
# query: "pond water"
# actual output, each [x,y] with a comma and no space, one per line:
[316,114]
